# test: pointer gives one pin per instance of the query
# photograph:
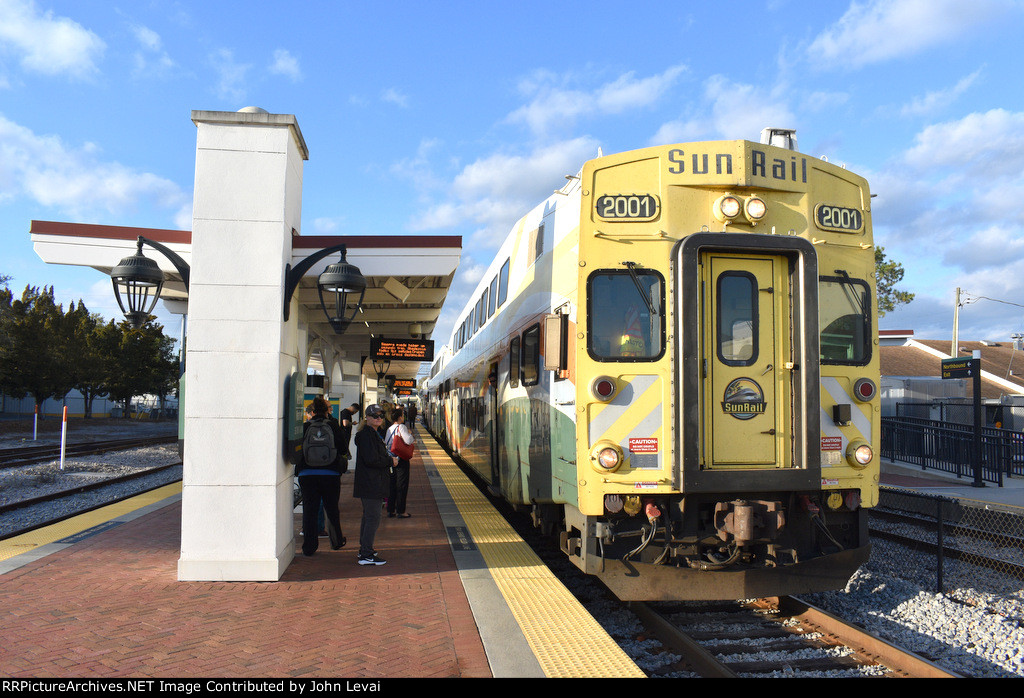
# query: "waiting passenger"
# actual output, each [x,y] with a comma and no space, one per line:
[399,488]
[373,465]
[319,473]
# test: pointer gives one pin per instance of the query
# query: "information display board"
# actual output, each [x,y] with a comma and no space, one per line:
[401,349]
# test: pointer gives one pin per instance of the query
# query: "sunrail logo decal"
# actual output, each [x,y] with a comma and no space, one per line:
[743,399]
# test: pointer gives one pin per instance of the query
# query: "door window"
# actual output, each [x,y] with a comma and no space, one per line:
[737,318]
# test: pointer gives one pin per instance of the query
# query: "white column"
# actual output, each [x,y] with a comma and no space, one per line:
[237,495]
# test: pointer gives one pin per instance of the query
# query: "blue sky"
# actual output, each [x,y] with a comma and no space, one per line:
[454,118]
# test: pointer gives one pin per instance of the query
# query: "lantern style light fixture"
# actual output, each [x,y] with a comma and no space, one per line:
[138,280]
[381,366]
[340,280]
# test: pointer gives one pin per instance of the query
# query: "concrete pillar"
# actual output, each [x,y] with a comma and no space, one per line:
[237,489]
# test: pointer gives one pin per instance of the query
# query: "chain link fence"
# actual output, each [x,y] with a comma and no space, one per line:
[952,544]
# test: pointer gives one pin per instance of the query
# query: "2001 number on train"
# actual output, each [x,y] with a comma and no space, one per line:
[632,207]
[845,220]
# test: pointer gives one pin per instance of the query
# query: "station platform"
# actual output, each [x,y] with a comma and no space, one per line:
[912,477]
[461,595]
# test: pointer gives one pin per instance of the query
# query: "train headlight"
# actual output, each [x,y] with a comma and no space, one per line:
[603,388]
[606,457]
[727,207]
[754,209]
[859,453]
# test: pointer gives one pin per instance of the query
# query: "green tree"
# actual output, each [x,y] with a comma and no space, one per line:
[36,353]
[90,362]
[138,361]
[887,274]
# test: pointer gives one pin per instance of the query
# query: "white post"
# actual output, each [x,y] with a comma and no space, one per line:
[63,435]
[237,489]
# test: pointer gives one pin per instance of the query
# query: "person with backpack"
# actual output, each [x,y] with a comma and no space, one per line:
[400,443]
[319,473]
[373,466]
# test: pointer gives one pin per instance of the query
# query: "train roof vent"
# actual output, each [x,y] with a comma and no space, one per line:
[781,137]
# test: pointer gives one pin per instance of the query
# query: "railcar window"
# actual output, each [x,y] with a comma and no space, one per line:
[737,318]
[844,315]
[503,283]
[513,363]
[493,297]
[625,315]
[531,355]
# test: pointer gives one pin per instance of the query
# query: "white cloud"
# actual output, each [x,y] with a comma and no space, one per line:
[286,64]
[881,30]
[939,99]
[946,209]
[47,44]
[230,75]
[553,104]
[393,96]
[987,144]
[728,109]
[495,191]
[151,59]
[74,180]
[984,249]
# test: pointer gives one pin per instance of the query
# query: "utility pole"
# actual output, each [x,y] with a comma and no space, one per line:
[954,350]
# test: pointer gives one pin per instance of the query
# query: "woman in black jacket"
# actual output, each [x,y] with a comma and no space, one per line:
[372,481]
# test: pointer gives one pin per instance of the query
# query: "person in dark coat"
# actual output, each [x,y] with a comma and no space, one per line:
[348,420]
[321,486]
[372,481]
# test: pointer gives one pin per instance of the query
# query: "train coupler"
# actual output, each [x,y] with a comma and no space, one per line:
[744,521]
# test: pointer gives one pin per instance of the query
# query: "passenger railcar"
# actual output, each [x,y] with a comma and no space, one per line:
[672,363]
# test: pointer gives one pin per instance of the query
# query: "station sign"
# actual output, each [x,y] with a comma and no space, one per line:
[960,367]
[405,383]
[401,349]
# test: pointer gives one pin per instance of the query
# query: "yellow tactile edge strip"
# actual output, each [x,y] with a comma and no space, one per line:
[564,637]
[32,540]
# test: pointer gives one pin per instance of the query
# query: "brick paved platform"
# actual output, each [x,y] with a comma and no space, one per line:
[111,606]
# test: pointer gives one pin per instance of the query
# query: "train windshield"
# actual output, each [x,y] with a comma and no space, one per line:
[626,315]
[845,320]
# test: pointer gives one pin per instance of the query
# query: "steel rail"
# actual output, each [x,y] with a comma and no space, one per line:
[904,662]
[16,457]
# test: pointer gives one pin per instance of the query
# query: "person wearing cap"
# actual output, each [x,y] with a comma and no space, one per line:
[372,481]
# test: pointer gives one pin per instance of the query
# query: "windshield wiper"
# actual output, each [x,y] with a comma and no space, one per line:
[631,266]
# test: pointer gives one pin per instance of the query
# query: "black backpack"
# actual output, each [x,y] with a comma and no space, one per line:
[318,448]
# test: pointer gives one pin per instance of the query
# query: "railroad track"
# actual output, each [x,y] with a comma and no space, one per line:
[775,635]
[960,548]
[27,455]
[77,490]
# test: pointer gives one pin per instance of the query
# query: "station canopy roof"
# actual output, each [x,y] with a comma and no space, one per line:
[407,276]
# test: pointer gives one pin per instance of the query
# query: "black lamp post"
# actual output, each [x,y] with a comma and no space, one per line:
[342,280]
[137,282]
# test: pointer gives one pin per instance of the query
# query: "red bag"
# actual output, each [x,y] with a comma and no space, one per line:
[399,448]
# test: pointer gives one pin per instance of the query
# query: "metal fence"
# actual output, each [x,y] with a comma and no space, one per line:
[952,544]
[949,447]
